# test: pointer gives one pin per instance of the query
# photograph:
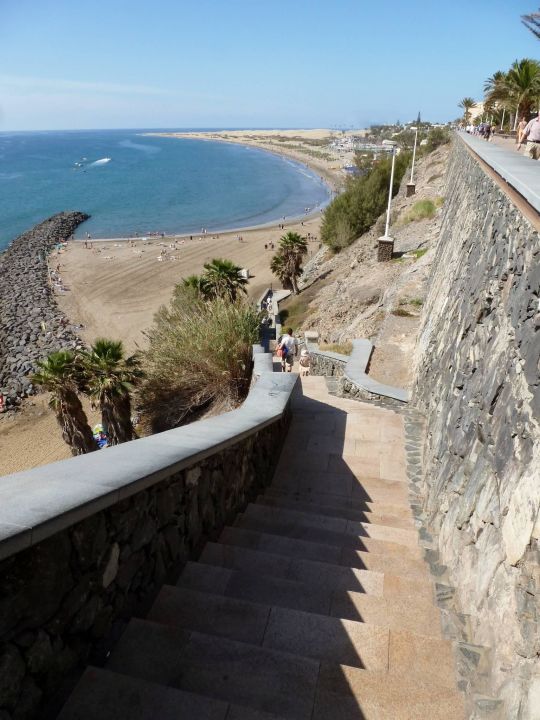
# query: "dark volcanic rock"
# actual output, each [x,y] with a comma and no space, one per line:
[31,323]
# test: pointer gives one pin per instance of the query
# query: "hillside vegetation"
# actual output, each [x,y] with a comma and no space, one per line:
[353,212]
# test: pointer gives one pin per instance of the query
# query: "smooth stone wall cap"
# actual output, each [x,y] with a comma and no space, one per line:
[38,503]
[355,371]
[522,173]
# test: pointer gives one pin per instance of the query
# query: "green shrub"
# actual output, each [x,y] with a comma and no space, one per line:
[436,137]
[421,210]
[199,359]
[355,211]
[400,312]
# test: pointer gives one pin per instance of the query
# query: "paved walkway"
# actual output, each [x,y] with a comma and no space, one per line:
[520,172]
[315,605]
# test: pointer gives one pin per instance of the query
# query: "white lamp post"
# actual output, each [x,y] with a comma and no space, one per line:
[411,187]
[386,243]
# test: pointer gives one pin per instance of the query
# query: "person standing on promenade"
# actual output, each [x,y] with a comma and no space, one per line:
[532,135]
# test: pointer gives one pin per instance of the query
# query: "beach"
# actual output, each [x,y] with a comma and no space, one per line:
[116,287]
[113,288]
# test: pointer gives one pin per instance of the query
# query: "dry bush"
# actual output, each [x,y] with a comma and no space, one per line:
[199,360]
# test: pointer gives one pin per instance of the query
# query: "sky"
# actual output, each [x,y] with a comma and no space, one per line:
[77,64]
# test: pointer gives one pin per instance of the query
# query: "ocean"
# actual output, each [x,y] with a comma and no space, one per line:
[130,183]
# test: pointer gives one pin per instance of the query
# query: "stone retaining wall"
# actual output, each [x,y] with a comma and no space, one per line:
[478,382]
[326,364]
[65,599]
[31,324]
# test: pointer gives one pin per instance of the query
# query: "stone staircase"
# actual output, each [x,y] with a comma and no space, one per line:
[316,605]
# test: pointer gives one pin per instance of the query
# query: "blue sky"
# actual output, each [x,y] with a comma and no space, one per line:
[67,64]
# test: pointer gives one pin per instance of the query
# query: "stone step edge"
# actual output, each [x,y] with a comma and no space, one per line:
[268,531]
[282,512]
[229,528]
[284,653]
[340,500]
[332,504]
[109,677]
[428,580]
[271,529]
[254,603]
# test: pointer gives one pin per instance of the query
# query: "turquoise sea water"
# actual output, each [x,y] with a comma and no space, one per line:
[150,184]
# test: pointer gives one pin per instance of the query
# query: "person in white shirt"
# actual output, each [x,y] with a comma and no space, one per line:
[532,135]
[287,345]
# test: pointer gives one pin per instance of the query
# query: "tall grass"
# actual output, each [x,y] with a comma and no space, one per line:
[423,209]
[199,359]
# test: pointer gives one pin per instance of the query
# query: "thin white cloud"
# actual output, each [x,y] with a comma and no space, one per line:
[36,84]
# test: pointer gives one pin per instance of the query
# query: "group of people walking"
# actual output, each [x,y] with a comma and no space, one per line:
[527,135]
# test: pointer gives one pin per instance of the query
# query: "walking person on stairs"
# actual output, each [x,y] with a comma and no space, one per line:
[288,348]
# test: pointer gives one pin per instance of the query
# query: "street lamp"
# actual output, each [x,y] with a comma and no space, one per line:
[411,187]
[386,243]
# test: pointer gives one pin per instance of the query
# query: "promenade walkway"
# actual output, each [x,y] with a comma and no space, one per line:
[519,172]
[316,604]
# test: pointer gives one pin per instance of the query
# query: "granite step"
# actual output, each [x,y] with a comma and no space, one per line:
[333,554]
[319,574]
[343,484]
[240,673]
[352,528]
[256,588]
[331,500]
[104,695]
[362,695]
[210,612]
[358,644]
[214,612]
[374,516]
[307,532]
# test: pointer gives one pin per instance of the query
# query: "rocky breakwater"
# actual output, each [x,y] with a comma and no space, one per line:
[31,324]
[478,382]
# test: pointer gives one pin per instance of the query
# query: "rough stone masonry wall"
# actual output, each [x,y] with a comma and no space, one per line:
[478,381]
[64,600]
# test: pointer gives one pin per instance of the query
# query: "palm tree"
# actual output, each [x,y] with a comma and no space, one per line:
[222,279]
[495,85]
[57,374]
[108,377]
[523,86]
[532,22]
[278,265]
[496,97]
[195,283]
[292,248]
[467,104]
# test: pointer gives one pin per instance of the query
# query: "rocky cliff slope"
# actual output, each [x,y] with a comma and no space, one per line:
[351,295]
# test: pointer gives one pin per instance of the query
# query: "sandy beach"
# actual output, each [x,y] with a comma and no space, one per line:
[114,288]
